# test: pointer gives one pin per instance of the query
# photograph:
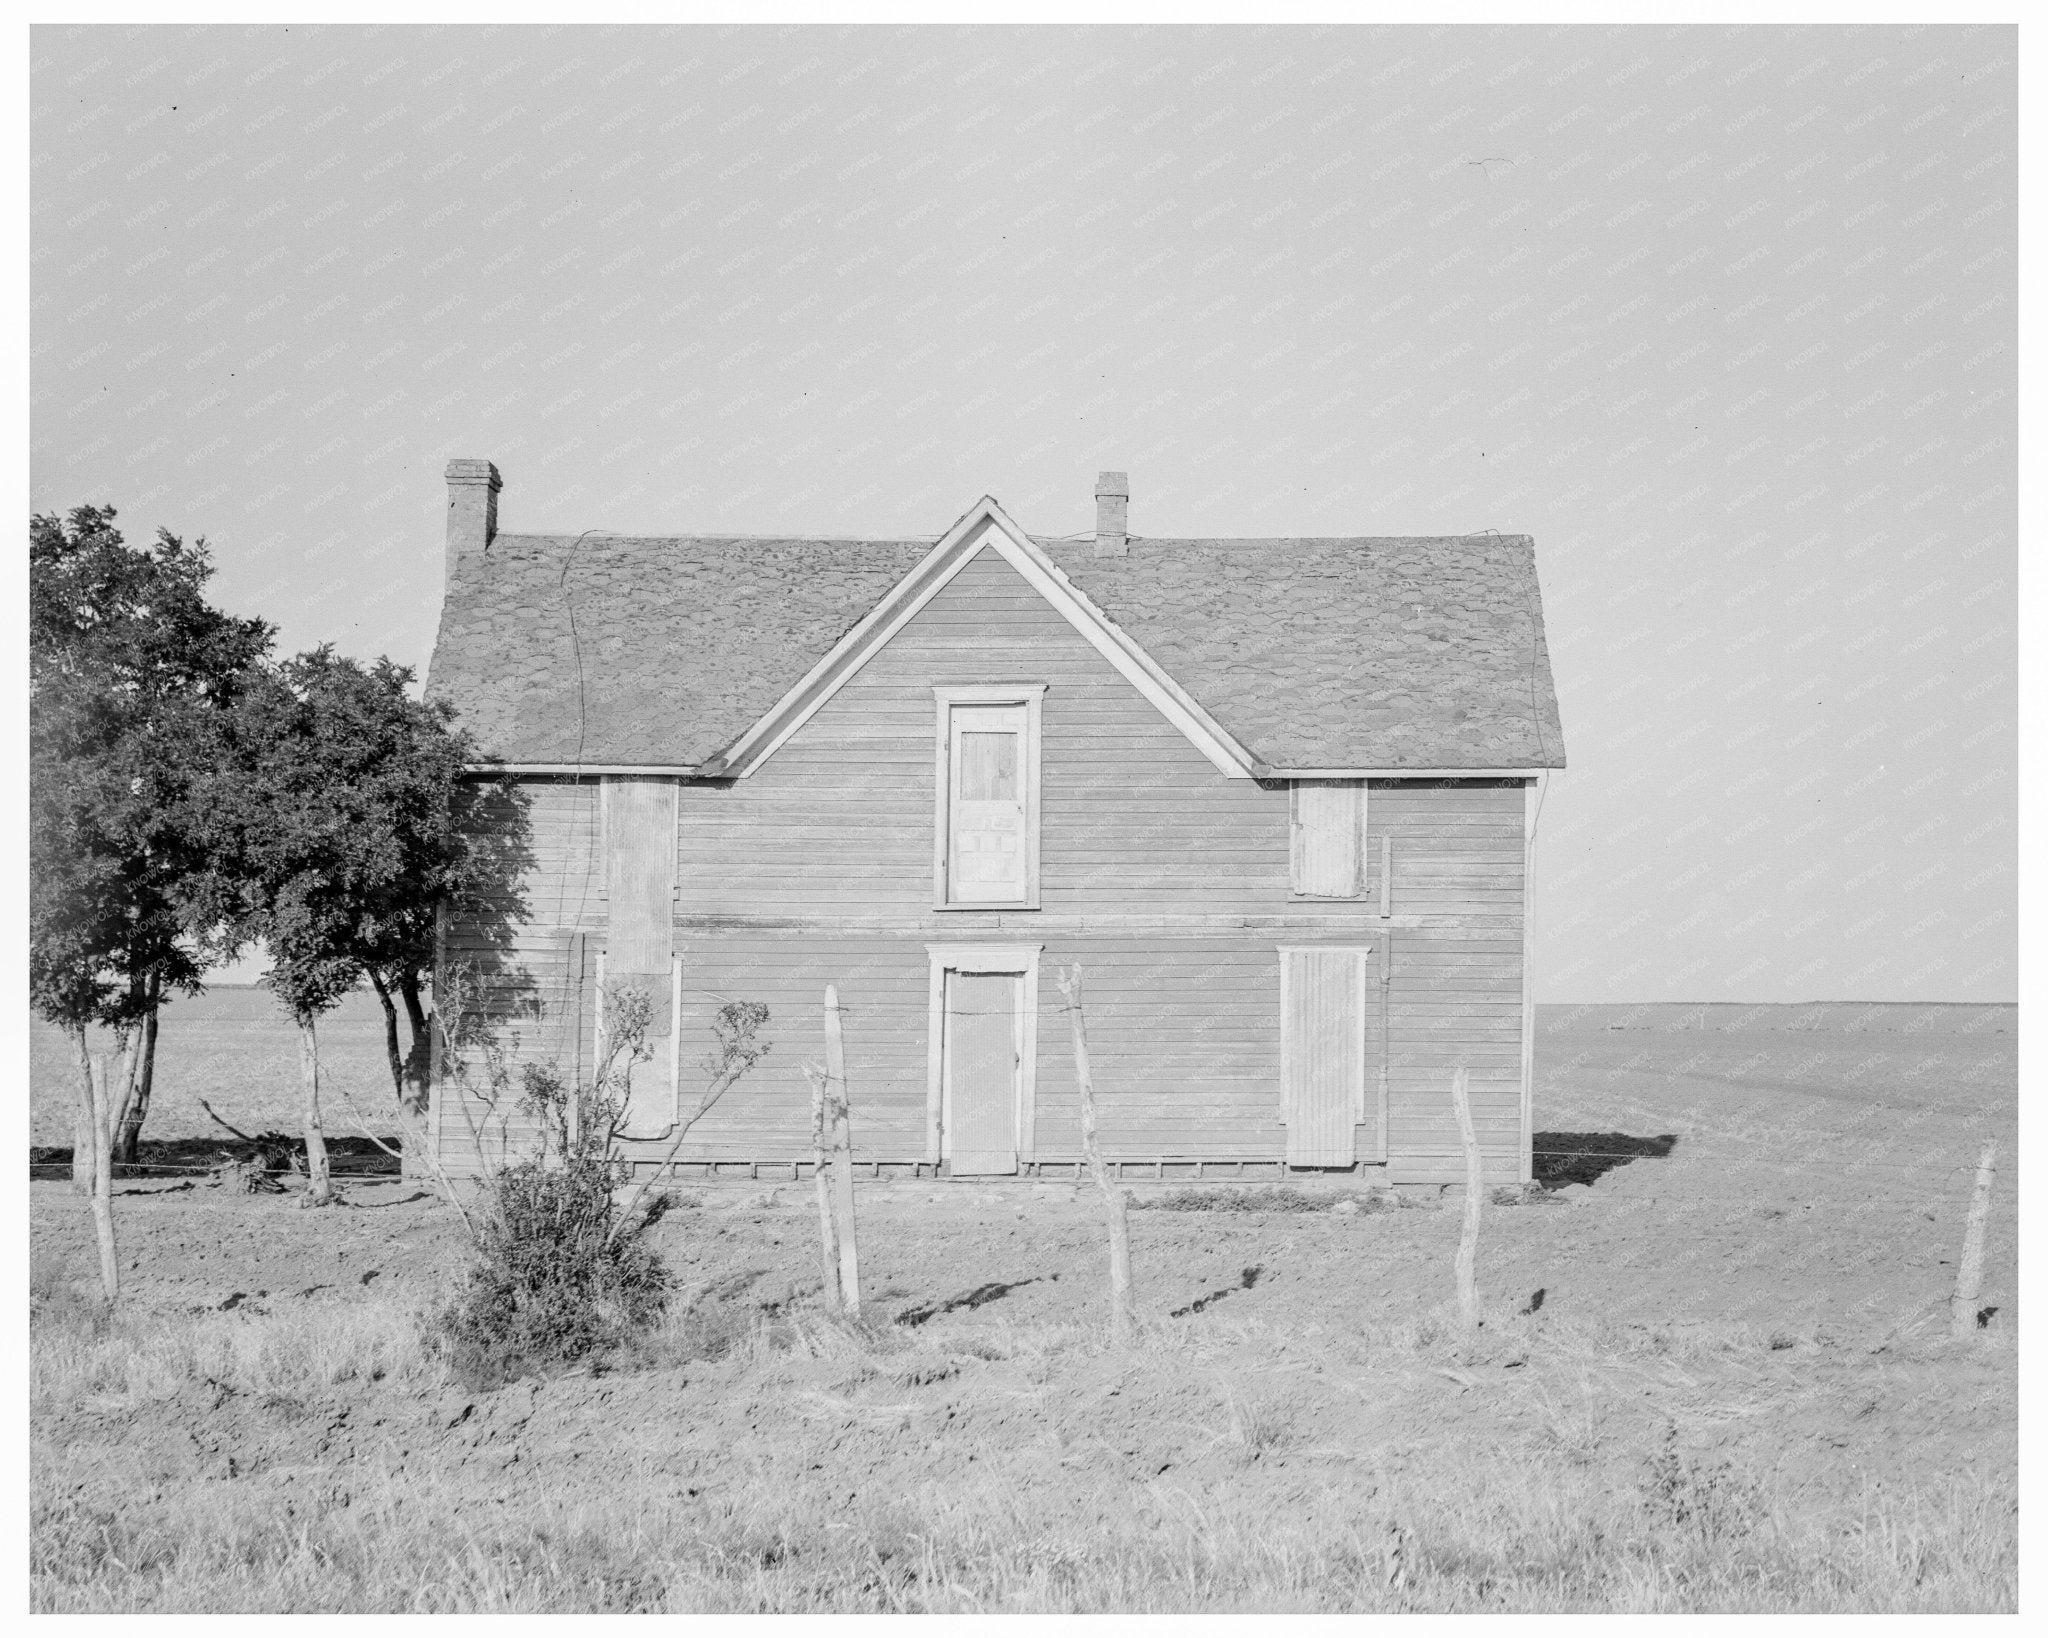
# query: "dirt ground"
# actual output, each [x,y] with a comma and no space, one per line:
[234,1047]
[1767,1298]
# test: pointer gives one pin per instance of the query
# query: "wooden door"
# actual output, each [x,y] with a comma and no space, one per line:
[983,1071]
[989,864]
[1323,1055]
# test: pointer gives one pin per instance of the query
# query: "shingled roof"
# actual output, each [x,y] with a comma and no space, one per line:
[1358,653]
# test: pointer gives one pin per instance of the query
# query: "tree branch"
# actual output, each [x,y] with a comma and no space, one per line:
[717,1090]
[244,1136]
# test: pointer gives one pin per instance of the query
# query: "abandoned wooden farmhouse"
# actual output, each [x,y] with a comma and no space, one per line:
[1276,797]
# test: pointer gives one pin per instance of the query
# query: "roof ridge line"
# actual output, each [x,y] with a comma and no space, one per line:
[622,534]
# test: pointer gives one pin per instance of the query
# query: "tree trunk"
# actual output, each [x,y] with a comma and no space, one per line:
[81,1127]
[120,1076]
[419,1061]
[127,1058]
[390,1033]
[129,1137]
[101,1095]
[319,1192]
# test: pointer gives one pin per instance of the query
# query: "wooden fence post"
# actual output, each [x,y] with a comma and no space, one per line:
[1123,1316]
[1475,1187]
[841,1109]
[821,1177]
[1970,1273]
[102,1136]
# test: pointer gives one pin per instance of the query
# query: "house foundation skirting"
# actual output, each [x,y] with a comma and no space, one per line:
[1158,1169]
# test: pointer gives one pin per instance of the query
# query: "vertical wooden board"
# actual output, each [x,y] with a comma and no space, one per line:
[640,877]
[1328,838]
[982,1059]
[1322,1054]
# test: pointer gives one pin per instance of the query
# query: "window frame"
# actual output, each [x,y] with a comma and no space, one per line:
[1029,696]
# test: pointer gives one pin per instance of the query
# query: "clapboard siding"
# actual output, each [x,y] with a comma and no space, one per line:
[1455,849]
[1183,1043]
[1167,882]
[840,818]
[537,1003]
[510,963]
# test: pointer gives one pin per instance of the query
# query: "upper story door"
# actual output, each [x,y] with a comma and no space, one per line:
[988,855]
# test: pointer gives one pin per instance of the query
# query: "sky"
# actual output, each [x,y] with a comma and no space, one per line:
[1724,318]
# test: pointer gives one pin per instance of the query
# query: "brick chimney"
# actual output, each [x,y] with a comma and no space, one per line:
[472,509]
[1112,513]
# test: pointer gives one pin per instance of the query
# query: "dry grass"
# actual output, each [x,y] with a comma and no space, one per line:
[1298,1430]
[1270,1197]
[80,1361]
[1566,1520]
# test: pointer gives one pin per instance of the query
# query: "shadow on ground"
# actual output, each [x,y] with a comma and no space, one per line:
[1245,1281]
[274,1151]
[1585,1157]
[979,1296]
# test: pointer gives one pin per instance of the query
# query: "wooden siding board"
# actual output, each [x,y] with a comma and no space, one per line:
[1453,1002]
[1114,771]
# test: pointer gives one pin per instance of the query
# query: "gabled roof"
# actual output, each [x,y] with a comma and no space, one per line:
[984,526]
[1358,654]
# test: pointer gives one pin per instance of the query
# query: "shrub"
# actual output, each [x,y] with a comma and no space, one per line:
[562,1269]
[553,1279]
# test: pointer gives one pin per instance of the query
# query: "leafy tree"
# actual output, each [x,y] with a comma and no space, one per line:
[456,845]
[128,662]
[343,820]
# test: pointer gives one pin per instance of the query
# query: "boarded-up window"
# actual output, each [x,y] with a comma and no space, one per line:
[988,781]
[1323,1053]
[1329,838]
[640,884]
